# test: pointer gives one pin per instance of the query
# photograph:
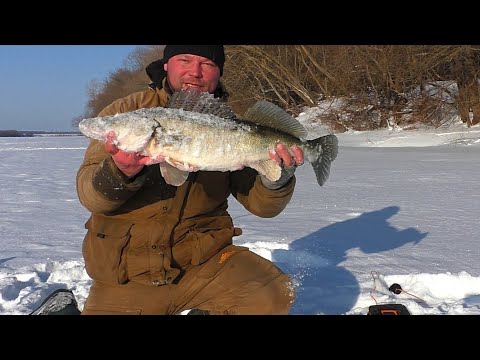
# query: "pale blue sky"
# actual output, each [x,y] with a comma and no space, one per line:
[43,87]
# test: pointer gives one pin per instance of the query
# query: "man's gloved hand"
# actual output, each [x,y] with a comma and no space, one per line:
[288,160]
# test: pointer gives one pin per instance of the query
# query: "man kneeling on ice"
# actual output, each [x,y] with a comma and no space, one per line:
[159,241]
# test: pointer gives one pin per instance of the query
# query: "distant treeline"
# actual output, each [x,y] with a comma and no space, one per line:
[378,85]
[29,133]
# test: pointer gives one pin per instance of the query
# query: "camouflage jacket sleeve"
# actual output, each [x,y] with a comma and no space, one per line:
[248,189]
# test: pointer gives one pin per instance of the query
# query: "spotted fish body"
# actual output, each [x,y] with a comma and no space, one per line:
[198,132]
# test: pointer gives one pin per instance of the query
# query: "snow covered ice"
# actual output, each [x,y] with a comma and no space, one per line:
[399,207]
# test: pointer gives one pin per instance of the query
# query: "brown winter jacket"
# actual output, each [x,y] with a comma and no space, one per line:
[147,231]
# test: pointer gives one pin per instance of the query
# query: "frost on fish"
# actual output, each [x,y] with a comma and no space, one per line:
[205,142]
[132,130]
[198,132]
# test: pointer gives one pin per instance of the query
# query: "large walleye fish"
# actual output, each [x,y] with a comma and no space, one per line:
[199,132]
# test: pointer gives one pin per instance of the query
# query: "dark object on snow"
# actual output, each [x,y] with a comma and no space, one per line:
[388,309]
[395,288]
[60,302]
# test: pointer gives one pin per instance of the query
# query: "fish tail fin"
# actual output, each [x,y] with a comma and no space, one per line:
[321,152]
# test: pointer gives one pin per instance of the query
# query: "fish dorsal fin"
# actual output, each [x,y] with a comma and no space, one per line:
[267,114]
[200,102]
[172,175]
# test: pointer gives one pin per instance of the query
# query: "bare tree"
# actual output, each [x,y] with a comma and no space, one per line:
[382,85]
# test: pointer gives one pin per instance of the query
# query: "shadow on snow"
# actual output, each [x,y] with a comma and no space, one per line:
[322,286]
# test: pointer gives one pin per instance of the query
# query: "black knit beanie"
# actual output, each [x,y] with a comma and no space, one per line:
[212,52]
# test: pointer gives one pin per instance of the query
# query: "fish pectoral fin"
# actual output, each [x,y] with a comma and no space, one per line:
[269,168]
[183,166]
[172,175]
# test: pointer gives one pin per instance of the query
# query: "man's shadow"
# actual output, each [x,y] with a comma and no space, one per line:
[322,287]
